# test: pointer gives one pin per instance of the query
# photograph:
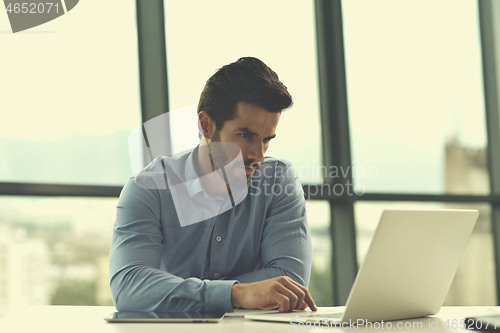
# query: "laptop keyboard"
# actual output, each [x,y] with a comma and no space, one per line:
[336,315]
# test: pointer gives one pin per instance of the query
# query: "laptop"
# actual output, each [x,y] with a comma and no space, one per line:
[406,273]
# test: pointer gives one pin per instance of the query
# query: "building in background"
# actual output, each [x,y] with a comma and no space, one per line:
[25,268]
[466,172]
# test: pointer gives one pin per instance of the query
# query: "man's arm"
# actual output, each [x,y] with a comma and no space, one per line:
[286,250]
[286,247]
[136,282]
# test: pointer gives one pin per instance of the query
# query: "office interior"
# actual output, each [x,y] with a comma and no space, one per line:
[395,106]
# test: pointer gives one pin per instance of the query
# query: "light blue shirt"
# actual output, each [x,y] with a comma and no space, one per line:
[158,265]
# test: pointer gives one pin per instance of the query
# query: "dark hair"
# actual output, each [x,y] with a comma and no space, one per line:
[246,80]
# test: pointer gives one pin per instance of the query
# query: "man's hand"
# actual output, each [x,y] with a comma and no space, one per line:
[281,292]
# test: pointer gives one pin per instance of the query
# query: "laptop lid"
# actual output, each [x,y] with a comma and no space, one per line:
[408,268]
[410,264]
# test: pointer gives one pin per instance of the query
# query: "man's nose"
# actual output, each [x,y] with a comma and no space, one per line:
[257,152]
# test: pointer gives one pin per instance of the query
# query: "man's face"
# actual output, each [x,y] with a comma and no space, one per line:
[252,129]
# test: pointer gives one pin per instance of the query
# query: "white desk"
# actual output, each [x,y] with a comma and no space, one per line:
[71,319]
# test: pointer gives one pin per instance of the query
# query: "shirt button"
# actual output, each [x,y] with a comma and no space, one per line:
[216,275]
[218,238]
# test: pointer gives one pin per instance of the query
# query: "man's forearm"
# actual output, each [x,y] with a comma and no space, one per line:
[141,288]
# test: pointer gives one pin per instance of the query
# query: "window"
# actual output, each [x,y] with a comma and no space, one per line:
[70,97]
[417,120]
[217,33]
[54,251]
[415,94]
[200,42]
[320,286]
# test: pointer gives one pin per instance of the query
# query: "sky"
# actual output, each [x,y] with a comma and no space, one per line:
[77,73]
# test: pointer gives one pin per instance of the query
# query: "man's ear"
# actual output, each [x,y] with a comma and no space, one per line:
[206,125]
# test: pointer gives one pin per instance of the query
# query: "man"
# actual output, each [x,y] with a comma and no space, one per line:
[171,252]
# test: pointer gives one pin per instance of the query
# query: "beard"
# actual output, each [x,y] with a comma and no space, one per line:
[221,157]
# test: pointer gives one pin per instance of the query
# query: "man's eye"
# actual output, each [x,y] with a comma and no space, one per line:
[243,135]
[267,140]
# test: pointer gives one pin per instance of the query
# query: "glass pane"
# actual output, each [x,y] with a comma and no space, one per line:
[70,96]
[217,34]
[320,286]
[474,282]
[54,251]
[414,91]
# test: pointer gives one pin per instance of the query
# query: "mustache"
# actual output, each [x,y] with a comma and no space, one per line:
[252,164]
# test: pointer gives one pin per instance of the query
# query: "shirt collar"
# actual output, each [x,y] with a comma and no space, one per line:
[194,181]
[192,178]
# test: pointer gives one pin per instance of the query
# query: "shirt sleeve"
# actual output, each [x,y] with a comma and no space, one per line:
[286,247]
[136,280]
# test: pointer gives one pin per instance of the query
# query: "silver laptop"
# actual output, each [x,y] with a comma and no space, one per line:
[406,273]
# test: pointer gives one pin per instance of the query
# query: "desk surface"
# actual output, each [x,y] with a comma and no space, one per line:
[70,319]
